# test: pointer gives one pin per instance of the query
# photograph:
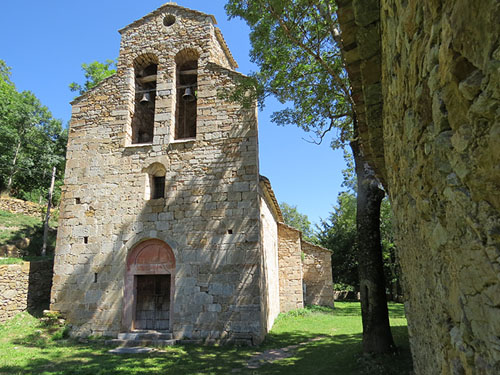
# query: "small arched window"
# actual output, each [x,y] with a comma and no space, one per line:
[155,181]
[186,90]
[145,69]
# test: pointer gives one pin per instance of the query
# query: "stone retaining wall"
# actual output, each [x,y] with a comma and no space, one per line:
[24,287]
[18,206]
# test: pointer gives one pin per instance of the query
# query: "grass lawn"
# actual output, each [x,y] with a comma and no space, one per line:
[28,347]
[14,227]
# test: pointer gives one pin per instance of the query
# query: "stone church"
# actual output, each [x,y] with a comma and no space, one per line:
[166,224]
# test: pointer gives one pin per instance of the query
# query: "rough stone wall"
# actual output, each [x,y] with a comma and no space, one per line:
[24,287]
[440,69]
[210,213]
[439,135]
[18,206]
[270,273]
[317,275]
[290,268]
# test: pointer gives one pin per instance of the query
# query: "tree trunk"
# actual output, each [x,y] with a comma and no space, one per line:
[47,214]
[13,170]
[377,336]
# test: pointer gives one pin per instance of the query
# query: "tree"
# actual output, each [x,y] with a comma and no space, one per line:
[299,221]
[95,72]
[295,43]
[338,234]
[32,142]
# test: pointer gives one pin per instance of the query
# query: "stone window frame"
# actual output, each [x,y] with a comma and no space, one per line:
[155,169]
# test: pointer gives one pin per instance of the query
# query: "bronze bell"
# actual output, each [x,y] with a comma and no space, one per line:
[146,98]
[188,95]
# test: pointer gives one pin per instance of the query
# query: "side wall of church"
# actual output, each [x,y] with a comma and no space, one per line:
[317,275]
[270,273]
[290,268]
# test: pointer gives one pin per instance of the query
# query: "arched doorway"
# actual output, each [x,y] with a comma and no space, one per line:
[149,287]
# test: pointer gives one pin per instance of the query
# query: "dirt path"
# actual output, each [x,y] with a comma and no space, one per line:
[261,358]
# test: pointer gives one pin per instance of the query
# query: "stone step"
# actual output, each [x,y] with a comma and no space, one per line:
[145,335]
[133,343]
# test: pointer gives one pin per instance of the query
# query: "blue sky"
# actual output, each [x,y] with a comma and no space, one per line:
[45,43]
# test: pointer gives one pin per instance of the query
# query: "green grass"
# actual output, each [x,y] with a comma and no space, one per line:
[29,347]
[11,261]
[14,227]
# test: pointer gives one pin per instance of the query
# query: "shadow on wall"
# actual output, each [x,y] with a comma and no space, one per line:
[39,285]
[209,216]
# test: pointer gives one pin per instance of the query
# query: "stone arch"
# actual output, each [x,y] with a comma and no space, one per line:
[151,259]
[145,59]
[186,54]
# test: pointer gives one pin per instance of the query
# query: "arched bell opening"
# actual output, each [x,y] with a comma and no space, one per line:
[145,73]
[186,93]
[149,287]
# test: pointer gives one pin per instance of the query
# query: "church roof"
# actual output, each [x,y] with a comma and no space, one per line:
[266,184]
[161,9]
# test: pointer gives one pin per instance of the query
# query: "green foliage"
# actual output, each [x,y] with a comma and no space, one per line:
[338,233]
[31,142]
[294,43]
[299,221]
[94,73]
[29,346]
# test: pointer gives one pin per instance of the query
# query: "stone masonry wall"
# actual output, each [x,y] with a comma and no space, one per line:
[24,287]
[290,268]
[18,206]
[425,77]
[210,213]
[269,238]
[317,275]
[441,129]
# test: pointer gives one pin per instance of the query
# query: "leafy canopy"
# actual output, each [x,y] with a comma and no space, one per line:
[31,140]
[95,72]
[294,43]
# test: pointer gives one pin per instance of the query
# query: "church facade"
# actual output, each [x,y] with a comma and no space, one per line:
[165,223]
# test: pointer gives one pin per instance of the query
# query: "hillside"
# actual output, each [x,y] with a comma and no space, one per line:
[21,229]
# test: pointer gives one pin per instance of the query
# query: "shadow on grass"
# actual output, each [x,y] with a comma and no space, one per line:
[338,354]
[70,357]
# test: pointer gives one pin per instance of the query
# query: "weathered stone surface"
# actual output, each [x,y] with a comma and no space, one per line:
[24,286]
[106,209]
[317,274]
[215,223]
[440,135]
[18,206]
[290,268]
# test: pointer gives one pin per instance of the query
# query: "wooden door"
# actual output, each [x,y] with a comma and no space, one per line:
[153,302]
